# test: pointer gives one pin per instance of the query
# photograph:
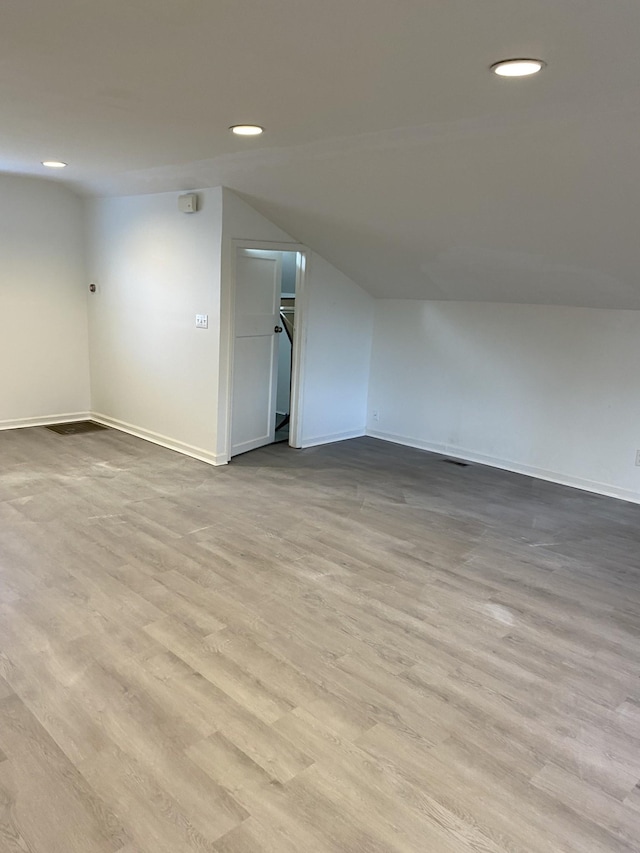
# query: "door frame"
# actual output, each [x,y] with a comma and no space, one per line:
[227,337]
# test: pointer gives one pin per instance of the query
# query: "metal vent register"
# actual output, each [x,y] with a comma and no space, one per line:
[75,427]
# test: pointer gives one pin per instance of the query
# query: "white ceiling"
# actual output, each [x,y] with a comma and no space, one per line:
[390,148]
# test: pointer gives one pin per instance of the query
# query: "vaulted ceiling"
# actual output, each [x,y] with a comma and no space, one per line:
[389,146]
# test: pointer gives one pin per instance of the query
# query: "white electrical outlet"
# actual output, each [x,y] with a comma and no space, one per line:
[202,321]
[638,457]
[376,416]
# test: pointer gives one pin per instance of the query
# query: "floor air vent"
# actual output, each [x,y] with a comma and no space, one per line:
[456,462]
[76,427]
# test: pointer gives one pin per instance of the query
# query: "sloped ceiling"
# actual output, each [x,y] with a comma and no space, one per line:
[390,148]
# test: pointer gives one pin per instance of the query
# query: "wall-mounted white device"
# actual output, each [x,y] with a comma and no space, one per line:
[188,203]
[202,321]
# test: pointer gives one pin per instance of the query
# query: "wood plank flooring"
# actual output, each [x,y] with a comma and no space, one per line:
[357,647]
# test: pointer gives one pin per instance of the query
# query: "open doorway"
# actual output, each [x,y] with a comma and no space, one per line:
[267,284]
[285,345]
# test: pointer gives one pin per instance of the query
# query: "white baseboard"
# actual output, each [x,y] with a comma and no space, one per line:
[67,417]
[597,488]
[162,440]
[316,440]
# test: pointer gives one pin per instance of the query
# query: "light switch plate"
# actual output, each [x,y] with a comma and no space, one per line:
[202,321]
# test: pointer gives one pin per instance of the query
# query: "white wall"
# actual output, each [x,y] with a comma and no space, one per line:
[154,374]
[44,363]
[550,391]
[337,355]
[288,273]
[337,341]
[152,371]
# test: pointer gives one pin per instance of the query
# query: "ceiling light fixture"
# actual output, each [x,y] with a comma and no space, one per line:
[517,67]
[54,164]
[246,129]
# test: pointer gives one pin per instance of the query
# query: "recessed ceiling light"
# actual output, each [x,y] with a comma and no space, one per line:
[246,129]
[54,164]
[517,67]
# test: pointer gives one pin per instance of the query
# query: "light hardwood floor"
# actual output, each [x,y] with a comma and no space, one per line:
[357,647]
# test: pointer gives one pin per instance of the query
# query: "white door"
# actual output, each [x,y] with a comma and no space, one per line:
[255,354]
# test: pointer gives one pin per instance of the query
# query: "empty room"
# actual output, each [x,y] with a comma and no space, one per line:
[319,426]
